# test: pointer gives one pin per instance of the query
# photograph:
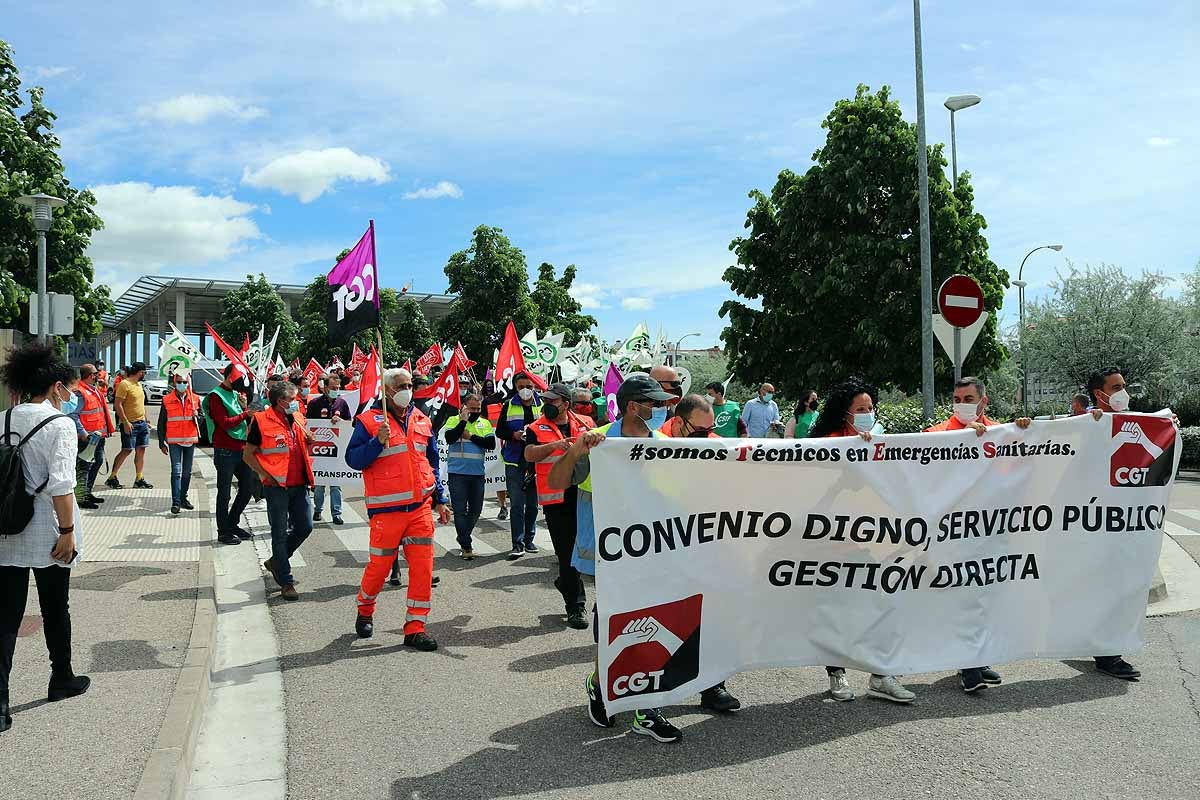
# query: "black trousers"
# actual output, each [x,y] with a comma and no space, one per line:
[53,585]
[561,520]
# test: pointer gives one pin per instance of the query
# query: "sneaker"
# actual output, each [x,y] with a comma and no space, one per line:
[228,538]
[394,580]
[91,498]
[718,698]
[420,641]
[364,626]
[88,504]
[990,676]
[142,483]
[289,593]
[839,688]
[972,680]
[596,712]
[532,548]
[113,483]
[1117,667]
[650,722]
[503,515]
[434,581]
[317,516]
[186,505]
[467,554]
[242,533]
[577,620]
[337,519]
[174,509]
[888,688]
[517,552]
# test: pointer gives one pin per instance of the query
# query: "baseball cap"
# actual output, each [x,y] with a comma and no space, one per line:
[640,386]
[136,366]
[559,390]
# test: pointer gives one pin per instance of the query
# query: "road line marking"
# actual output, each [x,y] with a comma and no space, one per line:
[1179,530]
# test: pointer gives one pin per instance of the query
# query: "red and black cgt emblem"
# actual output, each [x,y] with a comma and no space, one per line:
[658,648]
[1145,451]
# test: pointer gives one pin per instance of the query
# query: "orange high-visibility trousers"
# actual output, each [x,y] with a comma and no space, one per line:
[412,530]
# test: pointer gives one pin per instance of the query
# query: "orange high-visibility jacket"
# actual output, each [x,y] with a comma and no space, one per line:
[401,474]
[546,432]
[181,417]
[274,454]
[94,416]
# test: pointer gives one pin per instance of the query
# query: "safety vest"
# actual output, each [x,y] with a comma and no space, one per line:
[181,418]
[401,474]
[274,453]
[94,416]
[546,432]
[102,379]
[466,457]
[233,407]
[514,413]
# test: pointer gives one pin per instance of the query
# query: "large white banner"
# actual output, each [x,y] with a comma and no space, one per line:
[905,554]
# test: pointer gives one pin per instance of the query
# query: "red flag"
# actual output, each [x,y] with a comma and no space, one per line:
[408,366]
[358,358]
[433,358]
[245,346]
[234,356]
[296,362]
[445,388]
[335,364]
[509,362]
[312,376]
[368,384]
[462,356]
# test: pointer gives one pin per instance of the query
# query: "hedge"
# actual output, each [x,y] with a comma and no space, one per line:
[1191,448]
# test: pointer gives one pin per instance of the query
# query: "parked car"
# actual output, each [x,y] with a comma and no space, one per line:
[154,386]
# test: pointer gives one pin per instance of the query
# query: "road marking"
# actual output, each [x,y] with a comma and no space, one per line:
[1179,530]
[1188,512]
[961,301]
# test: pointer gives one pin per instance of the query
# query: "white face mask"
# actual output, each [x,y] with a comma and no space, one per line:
[1119,401]
[864,422]
[966,413]
[526,394]
[402,398]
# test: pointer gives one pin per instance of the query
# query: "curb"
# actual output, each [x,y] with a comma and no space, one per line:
[169,767]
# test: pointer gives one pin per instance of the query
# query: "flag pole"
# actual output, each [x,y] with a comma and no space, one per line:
[379,322]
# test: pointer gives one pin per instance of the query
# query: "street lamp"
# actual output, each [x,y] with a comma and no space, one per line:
[679,342]
[957,103]
[1020,283]
[43,206]
[923,208]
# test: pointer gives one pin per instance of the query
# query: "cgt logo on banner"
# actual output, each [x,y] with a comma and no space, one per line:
[658,648]
[1145,451]
[325,443]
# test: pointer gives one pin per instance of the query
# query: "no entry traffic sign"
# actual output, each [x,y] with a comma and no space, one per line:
[960,300]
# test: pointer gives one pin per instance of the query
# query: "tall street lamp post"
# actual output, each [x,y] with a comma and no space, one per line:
[43,206]
[1020,283]
[923,201]
[957,103]
[679,342]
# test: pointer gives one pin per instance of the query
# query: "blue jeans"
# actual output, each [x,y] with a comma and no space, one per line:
[138,436]
[522,504]
[181,471]
[229,464]
[466,495]
[290,515]
[93,468]
[335,499]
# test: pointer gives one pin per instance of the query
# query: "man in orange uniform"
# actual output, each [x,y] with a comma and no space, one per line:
[545,441]
[395,448]
[970,407]
[98,423]
[178,435]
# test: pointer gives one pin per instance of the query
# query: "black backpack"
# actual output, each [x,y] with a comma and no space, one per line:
[16,505]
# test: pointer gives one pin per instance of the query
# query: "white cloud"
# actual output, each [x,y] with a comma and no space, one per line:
[147,227]
[589,295]
[308,174]
[441,189]
[1161,141]
[637,303]
[46,73]
[382,9]
[967,47]
[192,109]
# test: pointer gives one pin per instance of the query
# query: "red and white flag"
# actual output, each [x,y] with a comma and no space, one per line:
[234,356]
[408,366]
[312,376]
[445,389]
[358,359]
[510,362]
[370,380]
[433,358]
[462,356]
[335,364]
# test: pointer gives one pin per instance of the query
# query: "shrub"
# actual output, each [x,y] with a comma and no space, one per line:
[907,416]
[1191,448]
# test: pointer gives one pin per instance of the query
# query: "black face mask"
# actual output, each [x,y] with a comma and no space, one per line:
[472,416]
[552,412]
[240,386]
[812,406]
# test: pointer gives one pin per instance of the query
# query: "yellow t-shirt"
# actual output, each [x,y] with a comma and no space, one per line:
[131,397]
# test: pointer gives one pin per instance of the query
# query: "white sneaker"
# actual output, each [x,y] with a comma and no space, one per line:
[839,689]
[888,688]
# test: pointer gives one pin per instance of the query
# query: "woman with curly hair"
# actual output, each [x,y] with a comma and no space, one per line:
[850,411]
[49,545]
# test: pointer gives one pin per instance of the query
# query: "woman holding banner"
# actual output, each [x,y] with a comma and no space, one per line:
[850,411]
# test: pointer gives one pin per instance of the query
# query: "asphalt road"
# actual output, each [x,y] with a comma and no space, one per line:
[498,710]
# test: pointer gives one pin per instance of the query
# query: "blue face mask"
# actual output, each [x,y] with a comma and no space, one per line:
[768,397]
[864,422]
[181,389]
[658,418]
[70,406]
[293,407]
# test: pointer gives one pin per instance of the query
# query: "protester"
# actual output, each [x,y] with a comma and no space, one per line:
[600,404]
[515,414]
[970,407]
[130,404]
[98,425]
[332,407]
[50,544]
[583,406]
[296,378]
[227,421]
[760,412]
[469,437]
[804,415]
[394,447]
[545,441]
[1080,403]
[277,450]
[849,410]
[637,398]
[493,402]
[177,438]
[727,413]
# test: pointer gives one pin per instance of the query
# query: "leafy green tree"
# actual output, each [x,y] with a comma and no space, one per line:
[412,332]
[833,259]
[492,283]
[29,163]
[253,304]
[312,317]
[557,310]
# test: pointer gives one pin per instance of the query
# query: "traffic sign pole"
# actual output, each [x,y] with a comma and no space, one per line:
[958,354]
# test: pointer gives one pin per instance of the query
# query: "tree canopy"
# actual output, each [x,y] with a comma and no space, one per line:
[253,304]
[29,163]
[312,316]
[557,309]
[832,258]
[412,332]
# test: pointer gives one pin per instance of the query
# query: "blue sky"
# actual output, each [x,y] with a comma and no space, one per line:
[224,138]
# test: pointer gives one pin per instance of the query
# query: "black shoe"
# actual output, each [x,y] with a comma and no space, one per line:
[242,533]
[316,516]
[228,538]
[62,687]
[142,483]
[186,504]
[174,509]
[113,483]
[577,620]
[435,580]
[718,698]
[503,515]
[650,722]
[395,579]
[364,627]
[1117,667]
[5,716]
[972,680]
[88,504]
[91,498]
[990,676]
[420,641]
[596,712]
[337,519]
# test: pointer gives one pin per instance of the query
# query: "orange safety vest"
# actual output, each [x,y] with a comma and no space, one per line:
[953,424]
[181,418]
[546,432]
[274,453]
[102,378]
[94,416]
[401,474]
